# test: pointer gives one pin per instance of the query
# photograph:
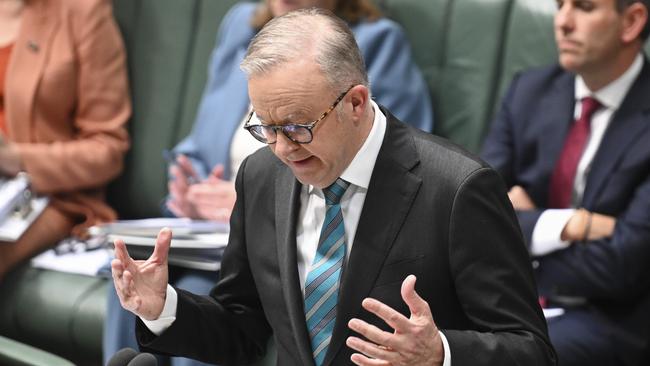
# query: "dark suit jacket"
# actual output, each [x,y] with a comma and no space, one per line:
[526,140]
[431,210]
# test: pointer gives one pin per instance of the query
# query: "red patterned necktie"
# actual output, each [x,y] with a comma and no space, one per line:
[565,169]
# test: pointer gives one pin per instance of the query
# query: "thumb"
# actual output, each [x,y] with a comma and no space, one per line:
[161,250]
[416,304]
[217,171]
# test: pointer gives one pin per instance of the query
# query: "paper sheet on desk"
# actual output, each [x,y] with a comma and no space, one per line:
[86,263]
[150,227]
[550,313]
[196,241]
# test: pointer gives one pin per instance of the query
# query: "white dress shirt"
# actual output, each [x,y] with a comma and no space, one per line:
[549,226]
[312,216]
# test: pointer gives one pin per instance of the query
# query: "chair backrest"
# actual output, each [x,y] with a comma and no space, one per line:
[168,45]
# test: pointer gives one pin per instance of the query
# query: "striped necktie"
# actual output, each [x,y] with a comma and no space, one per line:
[322,284]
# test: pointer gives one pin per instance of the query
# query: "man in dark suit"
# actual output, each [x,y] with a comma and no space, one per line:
[395,204]
[572,142]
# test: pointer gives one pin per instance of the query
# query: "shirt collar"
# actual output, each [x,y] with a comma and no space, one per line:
[611,95]
[360,169]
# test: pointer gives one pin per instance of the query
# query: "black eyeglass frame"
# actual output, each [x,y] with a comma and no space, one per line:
[257,131]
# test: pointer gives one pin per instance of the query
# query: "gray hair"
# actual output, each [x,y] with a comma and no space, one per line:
[315,33]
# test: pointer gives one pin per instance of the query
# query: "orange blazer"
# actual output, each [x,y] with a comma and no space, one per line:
[67,103]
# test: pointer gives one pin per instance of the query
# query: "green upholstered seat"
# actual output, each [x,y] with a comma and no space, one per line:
[19,354]
[59,312]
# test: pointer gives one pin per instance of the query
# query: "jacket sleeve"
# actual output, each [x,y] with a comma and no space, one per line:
[614,268]
[94,154]
[499,151]
[231,318]
[494,280]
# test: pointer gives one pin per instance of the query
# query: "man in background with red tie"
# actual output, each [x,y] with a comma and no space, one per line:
[572,142]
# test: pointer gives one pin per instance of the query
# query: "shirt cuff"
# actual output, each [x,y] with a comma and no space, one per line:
[167,316]
[445,345]
[548,230]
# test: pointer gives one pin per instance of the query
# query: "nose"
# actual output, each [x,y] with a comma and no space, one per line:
[564,18]
[283,145]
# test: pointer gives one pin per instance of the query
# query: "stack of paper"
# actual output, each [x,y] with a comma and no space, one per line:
[195,244]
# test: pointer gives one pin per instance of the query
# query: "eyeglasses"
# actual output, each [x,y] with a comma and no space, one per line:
[298,133]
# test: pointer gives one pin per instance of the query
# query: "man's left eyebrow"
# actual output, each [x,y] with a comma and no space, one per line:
[298,117]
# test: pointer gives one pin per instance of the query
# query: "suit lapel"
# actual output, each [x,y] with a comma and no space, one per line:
[555,116]
[626,126]
[28,61]
[287,205]
[390,196]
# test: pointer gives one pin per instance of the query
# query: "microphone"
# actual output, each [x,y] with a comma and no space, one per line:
[144,359]
[122,357]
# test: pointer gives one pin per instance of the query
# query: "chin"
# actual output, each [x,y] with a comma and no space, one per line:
[569,63]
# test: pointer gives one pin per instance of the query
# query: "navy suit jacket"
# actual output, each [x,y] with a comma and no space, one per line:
[524,143]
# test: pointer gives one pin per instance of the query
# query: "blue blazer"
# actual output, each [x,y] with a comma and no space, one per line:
[524,143]
[395,83]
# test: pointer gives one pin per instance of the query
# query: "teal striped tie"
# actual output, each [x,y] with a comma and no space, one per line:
[322,284]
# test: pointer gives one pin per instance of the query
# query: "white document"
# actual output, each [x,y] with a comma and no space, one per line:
[150,227]
[194,241]
[11,193]
[15,225]
[85,263]
[550,313]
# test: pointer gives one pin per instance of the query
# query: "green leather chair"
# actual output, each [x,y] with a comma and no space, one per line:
[18,354]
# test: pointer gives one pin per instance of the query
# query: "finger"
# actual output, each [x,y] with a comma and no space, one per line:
[117,267]
[372,333]
[176,209]
[370,349]
[362,360]
[221,214]
[161,250]
[186,165]
[122,253]
[416,304]
[217,171]
[116,272]
[126,292]
[180,179]
[173,187]
[393,318]
[125,283]
[201,190]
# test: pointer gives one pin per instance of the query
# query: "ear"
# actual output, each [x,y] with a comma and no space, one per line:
[359,96]
[635,17]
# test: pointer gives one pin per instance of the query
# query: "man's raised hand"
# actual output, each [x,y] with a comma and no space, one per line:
[141,285]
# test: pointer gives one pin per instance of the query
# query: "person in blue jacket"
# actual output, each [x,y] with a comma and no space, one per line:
[200,183]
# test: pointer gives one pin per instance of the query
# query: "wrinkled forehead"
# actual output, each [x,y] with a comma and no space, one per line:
[289,93]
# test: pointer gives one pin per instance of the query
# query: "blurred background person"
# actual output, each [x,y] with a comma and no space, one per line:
[64,103]
[571,143]
[200,184]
